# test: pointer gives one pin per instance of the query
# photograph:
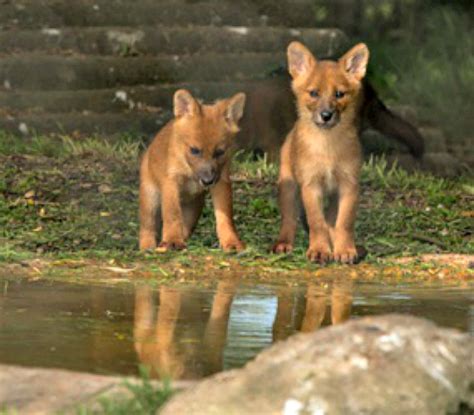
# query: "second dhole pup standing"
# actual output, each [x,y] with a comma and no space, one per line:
[187,157]
[321,155]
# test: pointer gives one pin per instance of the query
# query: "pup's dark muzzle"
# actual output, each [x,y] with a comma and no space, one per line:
[207,178]
[326,118]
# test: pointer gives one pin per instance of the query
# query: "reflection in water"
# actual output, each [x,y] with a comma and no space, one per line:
[191,331]
[196,349]
[307,314]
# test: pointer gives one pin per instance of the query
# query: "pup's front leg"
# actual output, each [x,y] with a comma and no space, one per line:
[319,241]
[149,214]
[286,198]
[222,200]
[343,235]
[173,231]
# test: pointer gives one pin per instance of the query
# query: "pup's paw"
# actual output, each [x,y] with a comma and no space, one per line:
[319,253]
[347,254]
[282,248]
[345,250]
[172,245]
[147,244]
[234,244]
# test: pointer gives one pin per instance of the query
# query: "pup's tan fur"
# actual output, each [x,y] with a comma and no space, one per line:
[190,154]
[323,159]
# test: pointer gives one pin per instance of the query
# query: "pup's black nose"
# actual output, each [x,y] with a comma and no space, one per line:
[207,182]
[326,115]
[207,177]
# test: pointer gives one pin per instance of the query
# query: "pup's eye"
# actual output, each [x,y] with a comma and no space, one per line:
[219,153]
[195,151]
[313,93]
[339,94]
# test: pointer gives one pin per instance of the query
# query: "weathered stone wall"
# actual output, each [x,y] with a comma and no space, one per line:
[111,66]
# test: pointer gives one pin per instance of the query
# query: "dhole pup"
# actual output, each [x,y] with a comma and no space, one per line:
[190,155]
[321,155]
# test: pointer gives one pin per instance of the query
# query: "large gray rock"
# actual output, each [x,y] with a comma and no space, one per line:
[377,365]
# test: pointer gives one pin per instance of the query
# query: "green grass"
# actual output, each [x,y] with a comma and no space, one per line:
[61,198]
[145,397]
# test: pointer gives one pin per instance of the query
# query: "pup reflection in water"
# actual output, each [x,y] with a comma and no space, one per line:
[187,336]
[196,349]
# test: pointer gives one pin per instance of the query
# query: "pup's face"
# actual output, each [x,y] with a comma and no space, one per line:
[326,90]
[206,133]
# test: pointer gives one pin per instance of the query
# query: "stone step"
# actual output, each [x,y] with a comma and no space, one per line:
[54,14]
[300,13]
[40,72]
[85,123]
[167,40]
[137,98]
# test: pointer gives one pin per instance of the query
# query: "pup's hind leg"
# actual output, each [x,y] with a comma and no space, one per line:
[331,210]
[191,214]
[331,214]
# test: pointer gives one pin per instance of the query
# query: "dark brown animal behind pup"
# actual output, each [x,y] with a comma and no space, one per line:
[191,154]
[270,113]
[321,156]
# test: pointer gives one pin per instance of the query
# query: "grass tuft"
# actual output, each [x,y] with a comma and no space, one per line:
[145,398]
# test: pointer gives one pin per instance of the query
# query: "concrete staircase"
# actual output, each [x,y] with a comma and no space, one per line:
[111,66]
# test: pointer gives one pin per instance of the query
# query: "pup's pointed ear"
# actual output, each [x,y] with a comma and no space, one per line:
[300,60]
[184,104]
[355,61]
[235,109]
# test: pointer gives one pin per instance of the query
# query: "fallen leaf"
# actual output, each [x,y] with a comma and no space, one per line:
[105,188]
[120,270]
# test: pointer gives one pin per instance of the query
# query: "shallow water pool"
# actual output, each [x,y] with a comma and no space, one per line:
[187,332]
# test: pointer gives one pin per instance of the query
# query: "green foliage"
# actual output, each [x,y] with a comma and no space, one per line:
[430,66]
[144,398]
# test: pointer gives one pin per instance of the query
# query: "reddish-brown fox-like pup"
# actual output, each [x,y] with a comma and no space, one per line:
[190,155]
[321,155]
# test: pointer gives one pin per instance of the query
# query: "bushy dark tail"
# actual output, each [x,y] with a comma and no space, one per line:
[380,118]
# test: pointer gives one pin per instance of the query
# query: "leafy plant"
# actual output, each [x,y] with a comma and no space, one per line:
[145,398]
